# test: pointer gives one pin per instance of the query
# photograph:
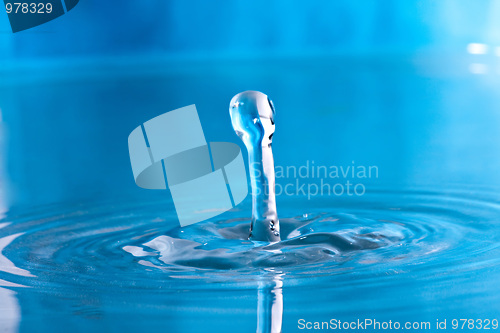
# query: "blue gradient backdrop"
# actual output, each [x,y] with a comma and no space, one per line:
[386,83]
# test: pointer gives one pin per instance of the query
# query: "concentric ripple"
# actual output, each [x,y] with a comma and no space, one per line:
[138,245]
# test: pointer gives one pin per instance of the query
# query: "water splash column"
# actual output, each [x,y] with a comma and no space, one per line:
[252,116]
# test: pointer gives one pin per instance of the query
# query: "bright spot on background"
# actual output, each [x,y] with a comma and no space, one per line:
[477,48]
[478,68]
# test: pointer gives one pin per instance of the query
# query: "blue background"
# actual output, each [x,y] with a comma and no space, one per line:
[385,83]
[247,28]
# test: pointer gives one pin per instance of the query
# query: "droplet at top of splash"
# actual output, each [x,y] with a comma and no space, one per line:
[252,115]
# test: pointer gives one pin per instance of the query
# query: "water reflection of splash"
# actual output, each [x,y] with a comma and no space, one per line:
[3,177]
[270,303]
[10,312]
[6,265]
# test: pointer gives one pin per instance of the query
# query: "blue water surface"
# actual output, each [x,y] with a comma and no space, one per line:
[84,249]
